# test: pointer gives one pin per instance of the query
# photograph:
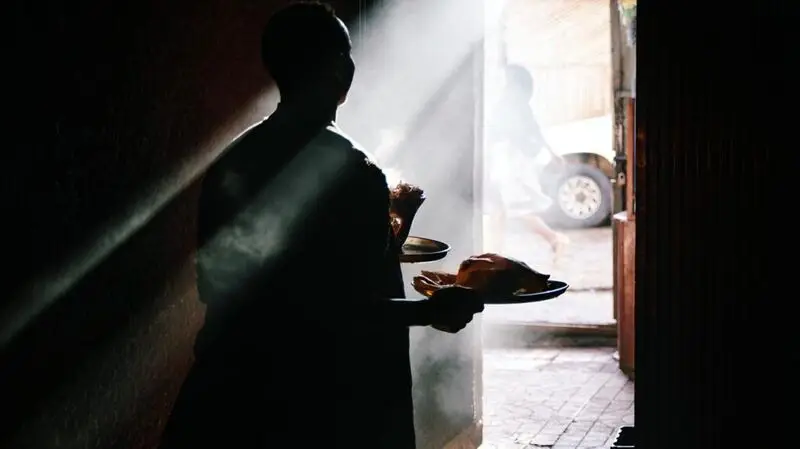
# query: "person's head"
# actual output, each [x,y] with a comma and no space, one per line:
[519,81]
[305,47]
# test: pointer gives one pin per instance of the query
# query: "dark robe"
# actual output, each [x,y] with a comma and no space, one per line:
[294,242]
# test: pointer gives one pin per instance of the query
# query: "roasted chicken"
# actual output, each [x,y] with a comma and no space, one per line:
[489,273]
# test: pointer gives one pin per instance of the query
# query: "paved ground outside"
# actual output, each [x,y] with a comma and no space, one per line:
[554,395]
[586,264]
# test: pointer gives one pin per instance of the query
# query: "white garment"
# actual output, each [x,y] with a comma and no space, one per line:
[516,178]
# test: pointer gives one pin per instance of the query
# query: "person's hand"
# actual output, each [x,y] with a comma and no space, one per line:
[452,308]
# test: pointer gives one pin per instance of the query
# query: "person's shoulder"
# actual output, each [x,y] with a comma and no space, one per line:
[340,139]
[359,159]
[241,144]
[226,172]
[349,146]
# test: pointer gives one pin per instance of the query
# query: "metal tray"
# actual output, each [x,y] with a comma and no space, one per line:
[554,290]
[420,249]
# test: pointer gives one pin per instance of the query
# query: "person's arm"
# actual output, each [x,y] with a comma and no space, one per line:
[395,312]
[371,222]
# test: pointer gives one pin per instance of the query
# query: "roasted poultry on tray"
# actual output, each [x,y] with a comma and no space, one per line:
[489,273]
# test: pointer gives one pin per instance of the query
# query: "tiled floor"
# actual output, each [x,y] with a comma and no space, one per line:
[555,395]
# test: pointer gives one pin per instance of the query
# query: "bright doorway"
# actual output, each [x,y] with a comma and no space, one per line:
[566,47]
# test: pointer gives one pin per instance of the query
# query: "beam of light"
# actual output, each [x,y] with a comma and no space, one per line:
[410,58]
[34,297]
[408,52]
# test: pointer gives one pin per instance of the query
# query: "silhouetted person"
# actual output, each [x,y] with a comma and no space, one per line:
[514,140]
[302,346]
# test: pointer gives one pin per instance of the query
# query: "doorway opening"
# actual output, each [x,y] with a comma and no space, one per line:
[566,47]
